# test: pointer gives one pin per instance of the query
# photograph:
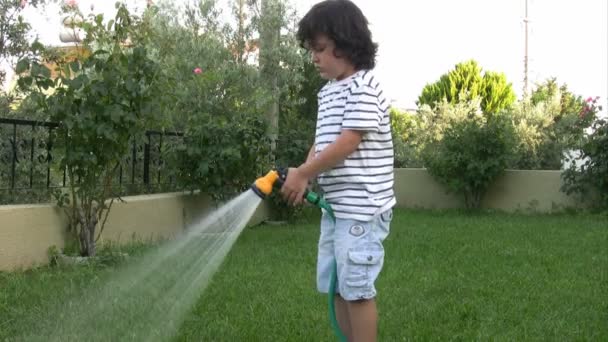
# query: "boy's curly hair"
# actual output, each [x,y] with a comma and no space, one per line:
[343,23]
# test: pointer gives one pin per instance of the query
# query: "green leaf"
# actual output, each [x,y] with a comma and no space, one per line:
[79,81]
[99,66]
[22,66]
[46,83]
[37,46]
[75,66]
[66,70]
[35,69]
[203,168]
[99,52]
[25,82]
[116,115]
[45,71]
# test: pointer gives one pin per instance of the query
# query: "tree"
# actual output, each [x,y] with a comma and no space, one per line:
[548,123]
[270,32]
[14,31]
[465,83]
[222,106]
[15,44]
[569,103]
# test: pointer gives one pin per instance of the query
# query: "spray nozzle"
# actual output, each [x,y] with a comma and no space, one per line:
[273,179]
[263,185]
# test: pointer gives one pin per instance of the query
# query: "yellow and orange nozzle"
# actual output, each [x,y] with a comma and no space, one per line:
[263,185]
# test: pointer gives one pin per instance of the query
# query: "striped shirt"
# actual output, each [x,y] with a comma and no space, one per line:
[361,186]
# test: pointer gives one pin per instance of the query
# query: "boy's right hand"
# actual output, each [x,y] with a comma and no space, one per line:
[294,188]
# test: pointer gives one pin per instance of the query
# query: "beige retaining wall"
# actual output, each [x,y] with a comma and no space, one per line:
[516,190]
[27,231]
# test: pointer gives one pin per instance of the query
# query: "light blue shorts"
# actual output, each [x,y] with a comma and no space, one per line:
[356,247]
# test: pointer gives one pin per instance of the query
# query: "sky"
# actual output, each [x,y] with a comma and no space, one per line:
[419,40]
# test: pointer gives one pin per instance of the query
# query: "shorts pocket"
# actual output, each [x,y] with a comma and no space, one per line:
[360,262]
[387,216]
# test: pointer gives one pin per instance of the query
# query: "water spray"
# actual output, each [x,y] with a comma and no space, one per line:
[263,187]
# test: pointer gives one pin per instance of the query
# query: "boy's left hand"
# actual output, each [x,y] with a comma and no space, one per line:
[294,187]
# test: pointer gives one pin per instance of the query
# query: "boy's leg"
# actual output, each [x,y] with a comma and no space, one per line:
[343,317]
[325,266]
[360,256]
[363,317]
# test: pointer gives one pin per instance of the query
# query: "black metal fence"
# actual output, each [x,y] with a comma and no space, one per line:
[30,171]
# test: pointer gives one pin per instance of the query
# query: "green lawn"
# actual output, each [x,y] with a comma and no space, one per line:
[448,276]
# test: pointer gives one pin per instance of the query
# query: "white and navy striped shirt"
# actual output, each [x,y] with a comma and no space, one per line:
[361,187]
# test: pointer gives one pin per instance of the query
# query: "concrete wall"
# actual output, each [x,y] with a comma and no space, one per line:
[516,190]
[534,191]
[27,231]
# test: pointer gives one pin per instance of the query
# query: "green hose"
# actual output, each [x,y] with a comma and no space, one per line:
[315,199]
[332,307]
[321,203]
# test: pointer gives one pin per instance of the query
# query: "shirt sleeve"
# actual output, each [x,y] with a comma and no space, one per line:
[362,111]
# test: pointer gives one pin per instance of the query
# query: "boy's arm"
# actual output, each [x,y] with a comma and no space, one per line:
[334,153]
[297,178]
[362,113]
[311,153]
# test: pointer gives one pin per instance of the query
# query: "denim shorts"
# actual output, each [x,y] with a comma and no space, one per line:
[356,247]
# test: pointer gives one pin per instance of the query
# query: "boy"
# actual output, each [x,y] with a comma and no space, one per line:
[352,160]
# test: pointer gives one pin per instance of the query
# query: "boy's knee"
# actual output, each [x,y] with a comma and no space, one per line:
[358,301]
[361,301]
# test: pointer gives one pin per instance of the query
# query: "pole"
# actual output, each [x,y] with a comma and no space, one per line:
[526,53]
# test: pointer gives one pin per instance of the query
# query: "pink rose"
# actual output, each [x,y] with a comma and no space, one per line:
[71,3]
[197,71]
[23,3]
[589,99]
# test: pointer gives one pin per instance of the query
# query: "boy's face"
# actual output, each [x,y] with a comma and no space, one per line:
[323,53]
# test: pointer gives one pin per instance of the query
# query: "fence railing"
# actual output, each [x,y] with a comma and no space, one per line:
[30,171]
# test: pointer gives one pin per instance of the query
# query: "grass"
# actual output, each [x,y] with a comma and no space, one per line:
[448,276]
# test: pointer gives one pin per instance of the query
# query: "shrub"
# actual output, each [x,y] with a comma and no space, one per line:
[222,156]
[101,101]
[592,178]
[406,143]
[470,152]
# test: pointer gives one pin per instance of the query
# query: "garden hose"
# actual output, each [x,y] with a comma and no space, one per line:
[332,292]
